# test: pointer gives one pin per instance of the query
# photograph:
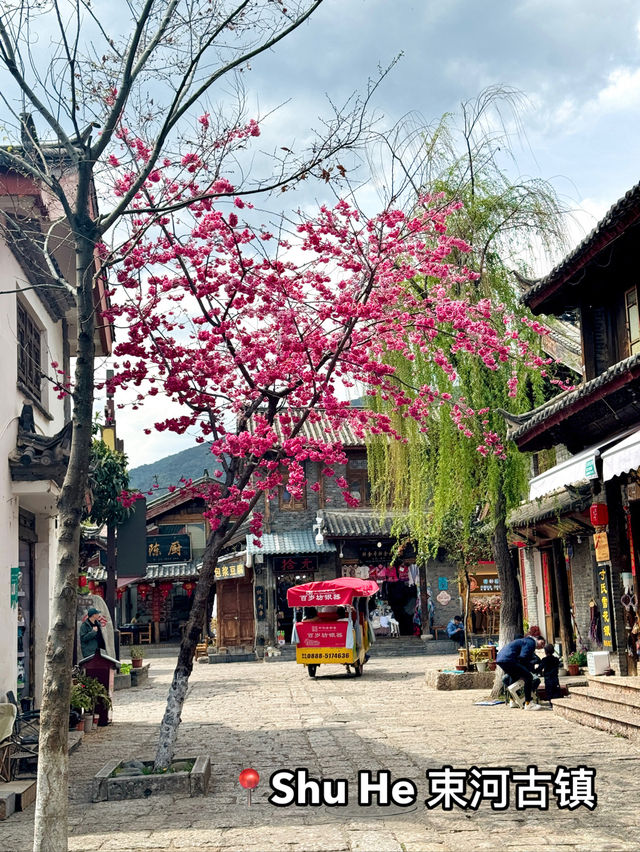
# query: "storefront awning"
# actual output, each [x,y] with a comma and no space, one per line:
[574,471]
[622,458]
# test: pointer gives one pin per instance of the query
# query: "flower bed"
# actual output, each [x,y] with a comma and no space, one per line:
[135,779]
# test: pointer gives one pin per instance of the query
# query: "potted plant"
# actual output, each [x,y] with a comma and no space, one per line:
[137,655]
[81,701]
[577,659]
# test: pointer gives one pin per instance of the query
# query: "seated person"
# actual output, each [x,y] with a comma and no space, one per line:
[517,660]
[455,630]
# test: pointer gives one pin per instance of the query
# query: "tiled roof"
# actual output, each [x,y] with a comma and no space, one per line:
[521,424]
[293,541]
[322,431]
[621,215]
[558,503]
[356,523]
[171,572]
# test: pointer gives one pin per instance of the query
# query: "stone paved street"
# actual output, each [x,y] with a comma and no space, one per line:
[272,716]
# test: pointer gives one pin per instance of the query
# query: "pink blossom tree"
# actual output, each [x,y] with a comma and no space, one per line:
[256,334]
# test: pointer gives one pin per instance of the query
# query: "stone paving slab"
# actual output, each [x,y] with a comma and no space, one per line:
[272,717]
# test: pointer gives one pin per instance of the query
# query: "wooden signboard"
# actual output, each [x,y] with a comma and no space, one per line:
[601,545]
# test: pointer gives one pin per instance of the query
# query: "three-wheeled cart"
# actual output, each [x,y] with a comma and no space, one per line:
[335,627]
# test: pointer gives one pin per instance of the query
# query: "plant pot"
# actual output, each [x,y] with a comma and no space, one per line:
[80,725]
[481,665]
[461,668]
[574,669]
[88,723]
[492,665]
[137,663]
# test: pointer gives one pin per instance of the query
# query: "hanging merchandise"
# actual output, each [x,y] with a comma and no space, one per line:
[414,574]
[595,625]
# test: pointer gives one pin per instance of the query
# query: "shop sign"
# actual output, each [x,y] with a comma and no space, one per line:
[443,583]
[601,545]
[604,580]
[168,548]
[230,570]
[484,584]
[261,603]
[315,634]
[443,598]
[546,583]
[295,564]
[15,585]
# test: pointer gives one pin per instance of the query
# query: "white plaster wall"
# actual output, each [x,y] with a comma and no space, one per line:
[539,586]
[11,402]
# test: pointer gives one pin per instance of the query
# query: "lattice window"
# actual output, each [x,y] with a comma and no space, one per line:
[633,320]
[287,502]
[358,479]
[29,353]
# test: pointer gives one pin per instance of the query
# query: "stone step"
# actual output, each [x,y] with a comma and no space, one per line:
[602,702]
[626,689]
[612,717]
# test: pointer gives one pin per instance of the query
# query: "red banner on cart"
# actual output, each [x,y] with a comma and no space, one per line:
[315,634]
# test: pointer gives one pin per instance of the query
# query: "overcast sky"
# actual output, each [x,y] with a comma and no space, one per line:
[577,61]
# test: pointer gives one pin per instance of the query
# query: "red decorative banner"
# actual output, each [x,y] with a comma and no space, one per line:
[316,634]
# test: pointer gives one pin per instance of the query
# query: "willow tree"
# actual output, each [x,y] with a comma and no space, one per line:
[454,484]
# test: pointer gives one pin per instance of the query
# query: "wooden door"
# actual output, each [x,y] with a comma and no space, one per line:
[546,587]
[235,612]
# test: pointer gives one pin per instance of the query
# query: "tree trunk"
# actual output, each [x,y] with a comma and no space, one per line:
[511,597]
[50,830]
[178,689]
[112,576]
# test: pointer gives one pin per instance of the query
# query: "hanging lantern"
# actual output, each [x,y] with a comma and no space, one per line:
[189,586]
[99,590]
[92,587]
[165,589]
[599,514]
[143,590]
[119,593]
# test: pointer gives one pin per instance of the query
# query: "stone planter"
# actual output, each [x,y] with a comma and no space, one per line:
[464,680]
[121,681]
[107,787]
[88,723]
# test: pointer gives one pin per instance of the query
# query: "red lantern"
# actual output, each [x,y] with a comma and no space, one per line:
[189,586]
[599,514]
[119,593]
[82,580]
[92,587]
[165,589]
[249,779]
[143,590]
[99,591]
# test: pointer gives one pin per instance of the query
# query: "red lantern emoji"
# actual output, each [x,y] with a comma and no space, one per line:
[249,779]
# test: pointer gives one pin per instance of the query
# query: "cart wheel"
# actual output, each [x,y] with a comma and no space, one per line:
[357,668]
[312,670]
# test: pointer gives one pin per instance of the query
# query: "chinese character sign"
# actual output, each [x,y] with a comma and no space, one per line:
[606,606]
[168,548]
[261,602]
[295,564]
[230,570]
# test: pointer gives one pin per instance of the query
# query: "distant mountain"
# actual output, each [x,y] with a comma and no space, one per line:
[188,464]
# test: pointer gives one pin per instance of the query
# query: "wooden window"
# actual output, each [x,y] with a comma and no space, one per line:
[29,364]
[357,477]
[633,320]
[287,502]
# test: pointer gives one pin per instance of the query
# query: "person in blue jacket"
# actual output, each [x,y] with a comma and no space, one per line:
[517,659]
[455,630]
